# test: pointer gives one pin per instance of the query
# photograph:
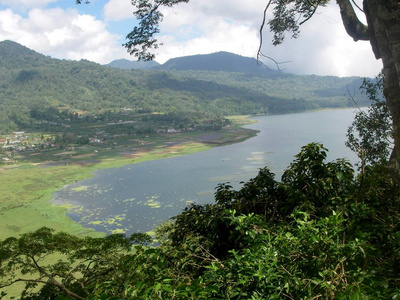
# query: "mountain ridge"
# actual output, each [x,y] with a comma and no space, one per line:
[34,84]
[218,61]
[221,61]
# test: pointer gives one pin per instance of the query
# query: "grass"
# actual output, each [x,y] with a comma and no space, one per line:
[26,188]
[25,197]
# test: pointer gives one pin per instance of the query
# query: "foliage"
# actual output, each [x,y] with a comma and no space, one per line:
[149,16]
[371,134]
[288,16]
[62,263]
[318,233]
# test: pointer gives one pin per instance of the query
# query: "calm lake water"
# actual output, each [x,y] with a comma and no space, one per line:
[137,197]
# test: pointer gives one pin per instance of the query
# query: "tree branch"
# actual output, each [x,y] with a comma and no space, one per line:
[356,5]
[10,283]
[312,13]
[262,29]
[53,281]
[259,52]
[354,27]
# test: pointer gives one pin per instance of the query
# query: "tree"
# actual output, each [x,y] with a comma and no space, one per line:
[370,134]
[53,264]
[319,233]
[382,30]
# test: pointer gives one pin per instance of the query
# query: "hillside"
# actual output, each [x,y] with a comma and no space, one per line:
[34,85]
[14,55]
[220,62]
[216,62]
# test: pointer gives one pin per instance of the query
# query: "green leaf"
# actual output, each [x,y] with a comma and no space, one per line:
[355,296]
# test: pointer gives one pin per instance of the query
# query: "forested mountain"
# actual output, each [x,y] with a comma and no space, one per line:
[14,55]
[36,86]
[220,61]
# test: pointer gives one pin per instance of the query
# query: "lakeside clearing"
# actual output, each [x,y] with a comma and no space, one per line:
[27,187]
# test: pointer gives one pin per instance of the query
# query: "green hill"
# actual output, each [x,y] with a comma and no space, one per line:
[220,61]
[34,85]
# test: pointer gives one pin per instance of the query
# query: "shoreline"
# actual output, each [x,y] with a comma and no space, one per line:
[27,188]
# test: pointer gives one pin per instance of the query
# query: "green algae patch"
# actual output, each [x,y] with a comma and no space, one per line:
[80,188]
[152,154]
[153,204]
[96,222]
[118,231]
[241,120]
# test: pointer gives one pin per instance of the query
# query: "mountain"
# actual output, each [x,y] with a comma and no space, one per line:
[33,85]
[13,50]
[13,54]
[129,64]
[220,61]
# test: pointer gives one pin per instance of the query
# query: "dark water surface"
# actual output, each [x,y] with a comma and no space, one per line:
[137,197]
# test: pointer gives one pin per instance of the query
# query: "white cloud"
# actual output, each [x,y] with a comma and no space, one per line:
[197,27]
[61,34]
[324,48]
[207,26]
[117,10]
[222,37]
[232,25]
[205,11]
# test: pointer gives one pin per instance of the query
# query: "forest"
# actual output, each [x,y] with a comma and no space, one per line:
[325,230]
[317,233]
[38,88]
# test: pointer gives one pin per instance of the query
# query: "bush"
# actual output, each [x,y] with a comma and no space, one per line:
[320,233]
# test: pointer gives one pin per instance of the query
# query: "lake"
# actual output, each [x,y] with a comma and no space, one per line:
[137,197]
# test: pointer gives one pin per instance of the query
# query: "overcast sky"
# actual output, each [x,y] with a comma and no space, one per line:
[96,31]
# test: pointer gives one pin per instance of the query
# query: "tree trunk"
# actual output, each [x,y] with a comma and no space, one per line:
[383,19]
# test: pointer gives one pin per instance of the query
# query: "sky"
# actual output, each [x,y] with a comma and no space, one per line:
[96,31]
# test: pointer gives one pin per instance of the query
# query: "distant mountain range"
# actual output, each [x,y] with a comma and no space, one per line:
[216,62]
[32,84]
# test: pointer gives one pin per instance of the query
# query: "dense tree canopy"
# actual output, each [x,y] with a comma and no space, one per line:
[321,232]
[51,90]
[371,134]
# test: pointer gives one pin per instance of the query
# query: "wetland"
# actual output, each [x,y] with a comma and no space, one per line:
[136,197]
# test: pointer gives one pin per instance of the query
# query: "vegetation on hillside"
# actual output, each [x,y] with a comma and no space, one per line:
[321,232]
[37,88]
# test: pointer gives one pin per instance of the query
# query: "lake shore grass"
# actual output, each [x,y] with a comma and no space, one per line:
[28,187]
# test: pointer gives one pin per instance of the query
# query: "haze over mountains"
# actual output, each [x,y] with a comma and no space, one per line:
[215,84]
